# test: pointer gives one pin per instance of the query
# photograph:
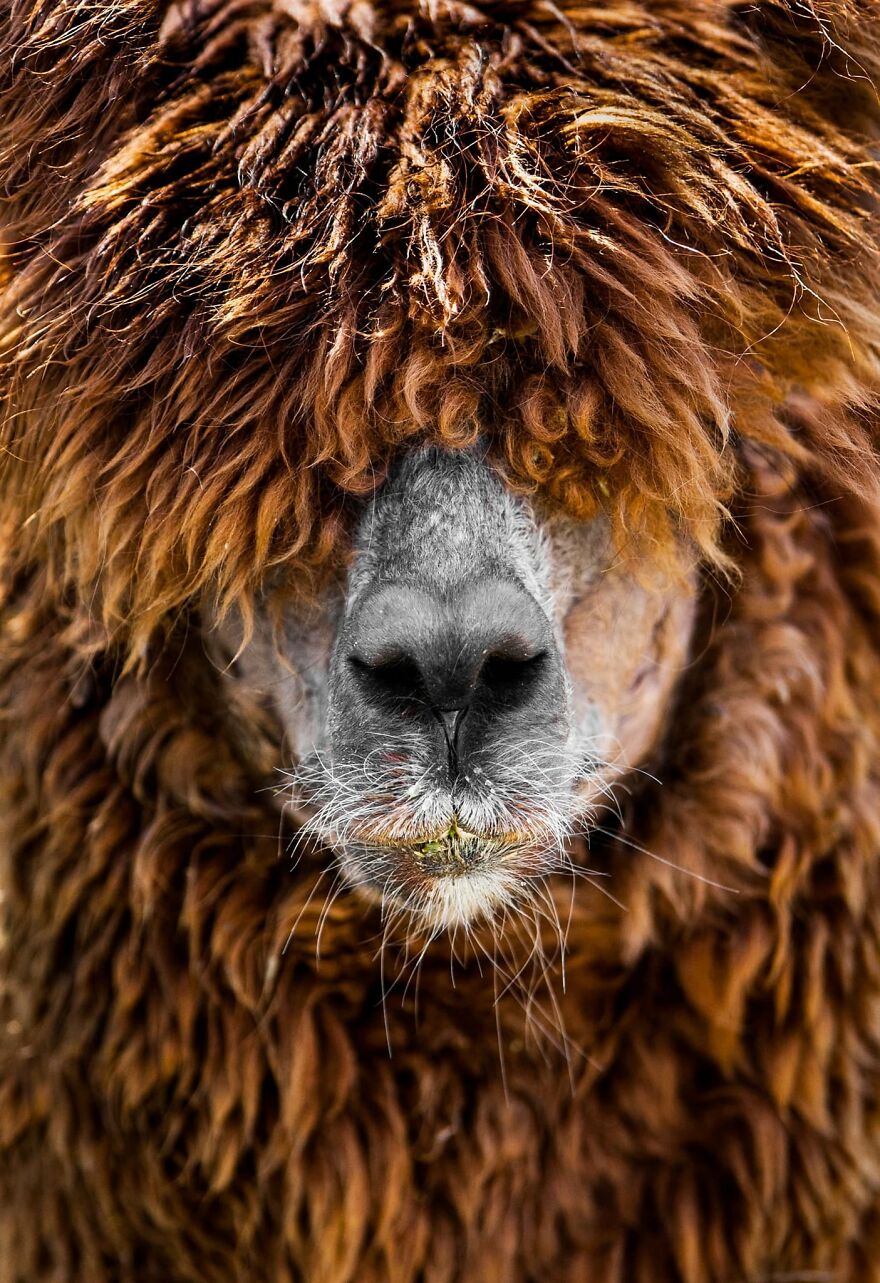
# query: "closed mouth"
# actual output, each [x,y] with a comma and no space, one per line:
[455,851]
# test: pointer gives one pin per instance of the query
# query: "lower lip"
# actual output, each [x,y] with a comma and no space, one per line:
[450,857]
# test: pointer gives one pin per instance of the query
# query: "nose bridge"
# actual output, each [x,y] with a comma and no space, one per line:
[442,519]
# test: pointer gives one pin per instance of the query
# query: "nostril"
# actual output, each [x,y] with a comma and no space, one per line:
[397,676]
[508,674]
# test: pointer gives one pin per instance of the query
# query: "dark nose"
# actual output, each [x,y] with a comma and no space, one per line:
[483,657]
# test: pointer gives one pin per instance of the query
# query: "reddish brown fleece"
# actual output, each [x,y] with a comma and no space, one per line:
[253,248]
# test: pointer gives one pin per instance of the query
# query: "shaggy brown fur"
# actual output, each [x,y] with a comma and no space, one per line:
[253,249]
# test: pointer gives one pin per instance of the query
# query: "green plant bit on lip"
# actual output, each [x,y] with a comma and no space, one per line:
[454,844]
[432,848]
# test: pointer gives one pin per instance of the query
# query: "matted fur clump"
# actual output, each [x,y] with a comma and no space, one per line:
[254,248]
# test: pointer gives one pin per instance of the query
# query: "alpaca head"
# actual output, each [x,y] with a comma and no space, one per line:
[463,701]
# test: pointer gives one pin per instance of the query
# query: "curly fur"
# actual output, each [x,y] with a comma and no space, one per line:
[253,248]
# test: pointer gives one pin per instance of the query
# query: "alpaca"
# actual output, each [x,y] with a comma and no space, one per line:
[439,655]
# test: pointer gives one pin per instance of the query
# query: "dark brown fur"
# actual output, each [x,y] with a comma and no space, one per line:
[253,250]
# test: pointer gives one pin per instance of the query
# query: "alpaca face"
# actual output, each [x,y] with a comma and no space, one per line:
[468,699]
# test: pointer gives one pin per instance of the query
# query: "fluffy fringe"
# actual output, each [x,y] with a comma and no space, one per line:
[255,248]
